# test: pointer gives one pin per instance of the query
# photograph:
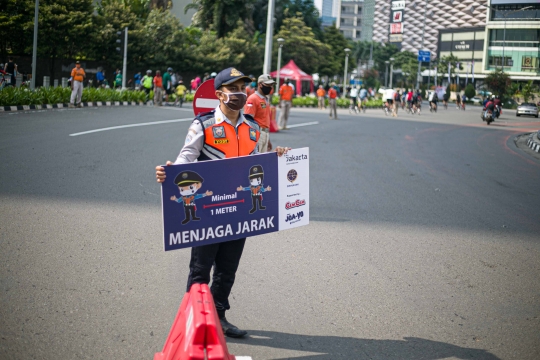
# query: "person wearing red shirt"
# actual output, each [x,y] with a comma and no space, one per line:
[332,99]
[258,106]
[158,89]
[286,93]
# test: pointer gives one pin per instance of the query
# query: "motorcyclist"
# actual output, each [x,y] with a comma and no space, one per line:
[498,105]
[489,108]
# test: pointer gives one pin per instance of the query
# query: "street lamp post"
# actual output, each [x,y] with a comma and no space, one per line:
[280,42]
[391,71]
[347,51]
[505,15]
[418,75]
[34,49]
[269,33]
[386,74]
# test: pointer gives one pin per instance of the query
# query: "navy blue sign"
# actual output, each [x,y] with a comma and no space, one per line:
[424,56]
[215,201]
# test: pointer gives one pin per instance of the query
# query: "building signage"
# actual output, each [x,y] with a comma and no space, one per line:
[463,45]
[396,21]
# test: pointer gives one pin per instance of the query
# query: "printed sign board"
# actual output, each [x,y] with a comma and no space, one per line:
[205,98]
[424,56]
[221,200]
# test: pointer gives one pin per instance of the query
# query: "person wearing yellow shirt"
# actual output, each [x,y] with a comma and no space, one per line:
[78,75]
[180,93]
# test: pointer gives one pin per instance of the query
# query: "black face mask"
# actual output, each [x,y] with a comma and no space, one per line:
[235,101]
[266,89]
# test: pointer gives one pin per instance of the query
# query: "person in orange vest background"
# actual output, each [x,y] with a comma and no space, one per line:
[78,75]
[252,87]
[258,106]
[225,122]
[320,95]
[286,93]
[332,96]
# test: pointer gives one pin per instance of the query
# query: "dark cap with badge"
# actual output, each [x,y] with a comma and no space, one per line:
[186,178]
[256,171]
[229,76]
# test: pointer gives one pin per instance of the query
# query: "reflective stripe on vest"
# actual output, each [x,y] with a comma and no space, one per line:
[221,140]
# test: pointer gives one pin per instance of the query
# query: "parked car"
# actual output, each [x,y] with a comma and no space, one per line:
[527,109]
[477,100]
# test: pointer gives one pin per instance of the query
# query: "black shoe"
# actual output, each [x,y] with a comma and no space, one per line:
[185,221]
[196,218]
[252,210]
[230,330]
[262,207]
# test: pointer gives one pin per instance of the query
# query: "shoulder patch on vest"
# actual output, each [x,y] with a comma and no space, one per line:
[253,134]
[219,132]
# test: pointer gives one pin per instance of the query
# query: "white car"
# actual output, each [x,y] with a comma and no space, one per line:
[527,109]
[477,100]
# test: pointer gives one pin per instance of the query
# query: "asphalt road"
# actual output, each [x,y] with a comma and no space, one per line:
[424,241]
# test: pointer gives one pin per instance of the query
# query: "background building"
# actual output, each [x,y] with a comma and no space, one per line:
[350,18]
[328,10]
[439,14]
[521,43]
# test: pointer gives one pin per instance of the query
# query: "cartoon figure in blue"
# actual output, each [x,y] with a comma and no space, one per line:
[189,182]
[256,176]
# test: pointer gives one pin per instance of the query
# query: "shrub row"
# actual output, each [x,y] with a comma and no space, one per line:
[41,96]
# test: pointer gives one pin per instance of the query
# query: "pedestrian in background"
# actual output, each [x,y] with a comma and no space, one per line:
[320,96]
[78,75]
[332,100]
[100,77]
[252,87]
[286,93]
[258,106]
[158,89]
[167,84]
[147,83]
[11,68]
[118,79]
[193,85]
[137,79]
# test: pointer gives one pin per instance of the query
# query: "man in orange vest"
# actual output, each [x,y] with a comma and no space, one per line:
[258,106]
[286,93]
[221,133]
[320,95]
[77,77]
[332,98]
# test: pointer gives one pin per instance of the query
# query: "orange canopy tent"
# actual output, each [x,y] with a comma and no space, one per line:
[303,83]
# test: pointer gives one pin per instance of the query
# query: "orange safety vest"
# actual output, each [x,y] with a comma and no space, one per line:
[223,141]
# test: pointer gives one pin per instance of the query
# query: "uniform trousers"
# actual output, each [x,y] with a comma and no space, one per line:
[321,102]
[76,93]
[158,96]
[333,107]
[224,257]
[262,145]
[284,116]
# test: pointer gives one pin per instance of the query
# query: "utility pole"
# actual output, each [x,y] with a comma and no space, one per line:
[34,49]
[269,34]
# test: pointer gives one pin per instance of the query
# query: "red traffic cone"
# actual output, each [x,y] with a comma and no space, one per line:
[273,123]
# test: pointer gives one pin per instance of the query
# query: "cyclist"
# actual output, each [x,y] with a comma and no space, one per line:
[353,93]
[458,101]
[362,99]
[463,99]
[433,101]
[418,103]
[389,97]
[445,101]
[409,99]
[404,99]
[397,102]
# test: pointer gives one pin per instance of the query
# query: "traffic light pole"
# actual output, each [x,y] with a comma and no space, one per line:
[418,74]
[124,67]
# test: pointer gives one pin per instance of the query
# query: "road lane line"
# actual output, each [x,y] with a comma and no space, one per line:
[131,125]
[303,124]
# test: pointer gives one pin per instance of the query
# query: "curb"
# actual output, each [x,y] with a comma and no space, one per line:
[62,106]
[534,142]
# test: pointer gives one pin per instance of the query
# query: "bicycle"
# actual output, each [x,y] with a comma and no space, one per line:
[386,109]
[5,80]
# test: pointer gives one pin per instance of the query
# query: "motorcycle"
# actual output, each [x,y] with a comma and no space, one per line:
[497,112]
[487,116]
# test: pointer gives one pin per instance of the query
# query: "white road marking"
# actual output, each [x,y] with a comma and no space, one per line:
[303,124]
[131,125]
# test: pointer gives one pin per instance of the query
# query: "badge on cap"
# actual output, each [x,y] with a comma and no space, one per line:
[253,134]
[219,132]
[235,72]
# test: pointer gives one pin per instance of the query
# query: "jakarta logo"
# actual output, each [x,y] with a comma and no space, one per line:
[292,175]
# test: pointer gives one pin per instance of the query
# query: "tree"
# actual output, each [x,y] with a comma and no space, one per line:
[221,16]
[16,27]
[498,82]
[334,63]
[301,46]
[449,59]
[371,78]
[66,29]
[470,91]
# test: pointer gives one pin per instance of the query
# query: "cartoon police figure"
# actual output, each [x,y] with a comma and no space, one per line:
[189,182]
[256,175]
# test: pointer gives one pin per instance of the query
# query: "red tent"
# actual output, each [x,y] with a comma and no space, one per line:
[303,83]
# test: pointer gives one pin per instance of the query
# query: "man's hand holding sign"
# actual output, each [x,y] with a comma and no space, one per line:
[205,208]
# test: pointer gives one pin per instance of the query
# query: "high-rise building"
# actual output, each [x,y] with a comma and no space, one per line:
[350,18]
[402,21]
[328,11]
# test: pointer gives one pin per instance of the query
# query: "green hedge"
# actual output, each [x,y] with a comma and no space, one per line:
[41,96]
[308,101]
